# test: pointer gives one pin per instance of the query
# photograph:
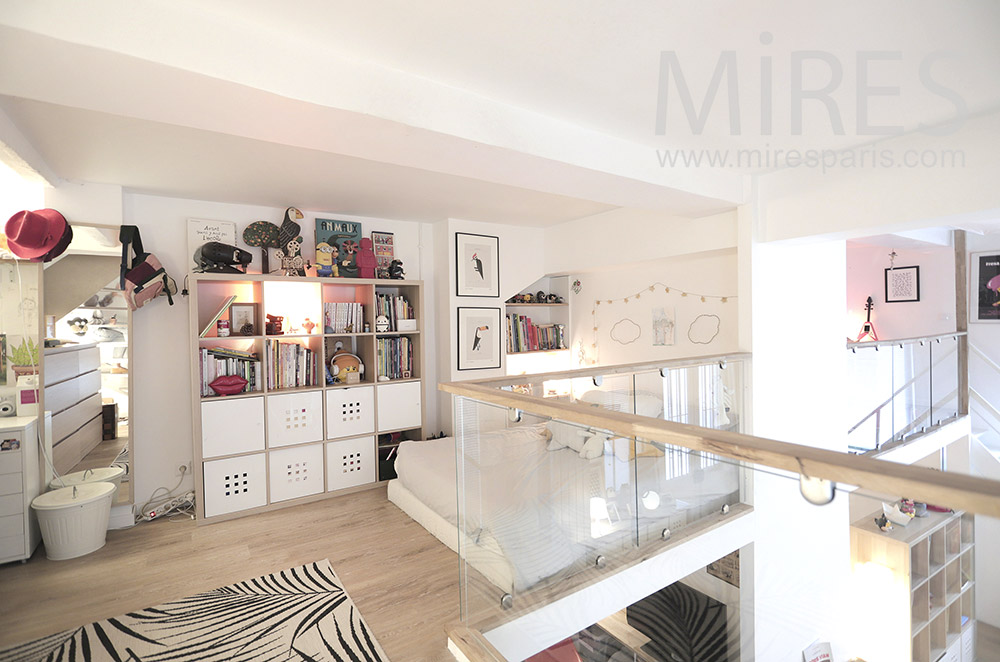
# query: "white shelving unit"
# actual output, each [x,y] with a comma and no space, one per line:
[272,447]
[933,557]
[545,360]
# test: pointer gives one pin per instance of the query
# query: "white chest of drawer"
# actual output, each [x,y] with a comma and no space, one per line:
[20,482]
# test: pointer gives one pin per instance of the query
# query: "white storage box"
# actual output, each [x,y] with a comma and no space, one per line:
[296,472]
[350,462]
[294,418]
[350,411]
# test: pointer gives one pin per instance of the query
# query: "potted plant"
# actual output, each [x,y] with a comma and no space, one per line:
[24,358]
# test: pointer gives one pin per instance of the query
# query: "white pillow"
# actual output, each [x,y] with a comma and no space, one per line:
[593,447]
[646,403]
[565,435]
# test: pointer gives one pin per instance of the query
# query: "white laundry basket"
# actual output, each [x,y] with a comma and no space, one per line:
[99,475]
[74,520]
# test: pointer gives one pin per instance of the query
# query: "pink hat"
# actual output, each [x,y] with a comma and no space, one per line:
[38,235]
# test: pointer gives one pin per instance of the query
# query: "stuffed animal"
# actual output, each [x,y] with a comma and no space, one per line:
[396,270]
[346,368]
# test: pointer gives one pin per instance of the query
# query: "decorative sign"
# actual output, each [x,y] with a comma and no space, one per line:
[727,568]
[985,291]
[201,232]
[820,651]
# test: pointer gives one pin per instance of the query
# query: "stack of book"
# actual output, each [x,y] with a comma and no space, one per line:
[219,361]
[395,357]
[343,317]
[395,307]
[290,365]
[525,336]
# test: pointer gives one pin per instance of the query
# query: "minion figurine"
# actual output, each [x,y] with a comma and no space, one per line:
[326,260]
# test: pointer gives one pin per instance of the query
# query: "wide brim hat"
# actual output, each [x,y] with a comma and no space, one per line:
[39,235]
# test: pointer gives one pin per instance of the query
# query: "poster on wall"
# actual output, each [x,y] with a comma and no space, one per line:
[201,232]
[383,245]
[985,290]
[902,284]
[477,265]
[345,238]
[479,334]
[663,326]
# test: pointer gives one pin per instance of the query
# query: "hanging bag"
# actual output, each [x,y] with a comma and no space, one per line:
[142,275]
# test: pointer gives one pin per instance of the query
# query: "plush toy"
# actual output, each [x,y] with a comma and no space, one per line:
[396,270]
[345,367]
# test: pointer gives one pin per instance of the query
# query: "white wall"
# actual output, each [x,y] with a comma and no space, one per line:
[712,273]
[935,312]
[801,552]
[162,429]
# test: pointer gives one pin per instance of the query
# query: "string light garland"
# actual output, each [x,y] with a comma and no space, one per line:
[704,298]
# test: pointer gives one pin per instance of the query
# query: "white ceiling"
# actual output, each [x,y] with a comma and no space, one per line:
[519,112]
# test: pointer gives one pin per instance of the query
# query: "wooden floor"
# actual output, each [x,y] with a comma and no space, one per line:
[402,579]
[987,643]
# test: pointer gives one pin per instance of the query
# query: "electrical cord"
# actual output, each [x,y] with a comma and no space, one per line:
[160,505]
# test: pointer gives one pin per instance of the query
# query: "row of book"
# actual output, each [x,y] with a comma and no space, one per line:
[525,336]
[290,365]
[343,317]
[219,361]
[394,357]
[395,307]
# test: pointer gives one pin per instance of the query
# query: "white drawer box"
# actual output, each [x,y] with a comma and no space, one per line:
[294,418]
[295,472]
[399,406]
[12,548]
[66,394]
[236,483]
[12,504]
[350,412]
[969,643]
[232,426]
[72,419]
[12,525]
[10,484]
[10,461]
[69,363]
[350,462]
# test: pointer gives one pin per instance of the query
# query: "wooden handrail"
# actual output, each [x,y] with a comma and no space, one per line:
[471,645]
[961,492]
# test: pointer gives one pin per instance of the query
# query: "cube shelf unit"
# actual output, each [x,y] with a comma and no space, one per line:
[933,557]
[270,446]
[542,360]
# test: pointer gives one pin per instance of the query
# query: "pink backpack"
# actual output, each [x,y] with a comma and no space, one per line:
[142,275]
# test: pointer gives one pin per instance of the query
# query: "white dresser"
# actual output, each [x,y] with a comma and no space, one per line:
[73,395]
[20,482]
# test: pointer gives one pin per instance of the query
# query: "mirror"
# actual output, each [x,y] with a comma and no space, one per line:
[86,358]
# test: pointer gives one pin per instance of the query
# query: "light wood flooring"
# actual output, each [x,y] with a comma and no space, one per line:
[987,643]
[402,579]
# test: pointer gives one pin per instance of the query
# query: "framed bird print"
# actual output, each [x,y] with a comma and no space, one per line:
[479,337]
[477,265]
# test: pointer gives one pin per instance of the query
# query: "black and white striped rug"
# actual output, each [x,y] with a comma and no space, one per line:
[301,614]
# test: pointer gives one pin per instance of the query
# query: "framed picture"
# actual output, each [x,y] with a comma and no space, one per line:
[479,337]
[984,293]
[902,284]
[477,265]
[243,319]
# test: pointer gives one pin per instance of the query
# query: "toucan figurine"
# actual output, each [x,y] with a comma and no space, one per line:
[290,244]
[478,265]
[882,522]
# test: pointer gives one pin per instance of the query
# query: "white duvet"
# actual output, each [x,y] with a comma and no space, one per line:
[537,505]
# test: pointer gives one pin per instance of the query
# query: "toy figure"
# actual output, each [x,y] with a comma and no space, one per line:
[326,260]
[883,523]
[273,325]
[366,259]
[396,270]
[308,325]
[346,368]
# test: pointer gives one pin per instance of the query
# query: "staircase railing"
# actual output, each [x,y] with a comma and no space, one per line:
[986,411]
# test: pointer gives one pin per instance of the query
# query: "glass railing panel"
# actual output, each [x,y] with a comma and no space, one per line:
[944,379]
[912,387]
[869,398]
[613,392]
[677,487]
[538,503]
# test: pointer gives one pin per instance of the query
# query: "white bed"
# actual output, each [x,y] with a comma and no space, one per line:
[529,512]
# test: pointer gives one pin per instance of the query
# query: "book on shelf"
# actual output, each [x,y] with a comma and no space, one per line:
[216,364]
[290,365]
[395,307]
[215,318]
[525,336]
[343,317]
[394,357]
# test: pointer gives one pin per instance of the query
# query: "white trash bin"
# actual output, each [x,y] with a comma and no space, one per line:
[74,520]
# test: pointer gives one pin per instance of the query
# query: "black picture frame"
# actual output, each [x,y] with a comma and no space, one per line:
[477,265]
[479,350]
[902,284]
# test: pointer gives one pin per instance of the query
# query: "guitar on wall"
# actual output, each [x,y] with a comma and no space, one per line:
[868,329]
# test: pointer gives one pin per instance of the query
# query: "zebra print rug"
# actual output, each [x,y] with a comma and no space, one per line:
[301,614]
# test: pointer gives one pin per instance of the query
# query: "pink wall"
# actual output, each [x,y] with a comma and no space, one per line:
[933,314]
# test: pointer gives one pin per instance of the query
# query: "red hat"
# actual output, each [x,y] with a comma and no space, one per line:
[38,235]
